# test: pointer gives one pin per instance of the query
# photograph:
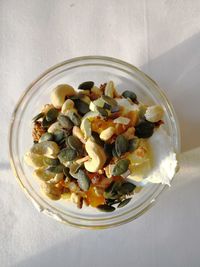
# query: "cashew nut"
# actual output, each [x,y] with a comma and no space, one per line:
[59,94]
[68,104]
[130,133]
[46,148]
[154,113]
[86,128]
[54,127]
[107,133]
[96,154]
[34,160]
[76,131]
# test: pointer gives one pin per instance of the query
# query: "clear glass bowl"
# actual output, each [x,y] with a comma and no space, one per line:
[99,69]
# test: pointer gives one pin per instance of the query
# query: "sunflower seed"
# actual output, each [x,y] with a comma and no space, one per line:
[52,115]
[124,202]
[86,85]
[83,180]
[121,167]
[105,208]
[38,116]
[46,137]
[51,162]
[121,145]
[65,122]
[67,154]
[55,169]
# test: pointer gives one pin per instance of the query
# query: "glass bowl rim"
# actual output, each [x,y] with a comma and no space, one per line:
[81,59]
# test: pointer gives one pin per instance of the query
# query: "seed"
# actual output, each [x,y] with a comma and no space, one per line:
[121,167]
[50,161]
[97,139]
[59,136]
[46,137]
[55,169]
[111,191]
[121,145]
[52,115]
[105,208]
[106,106]
[130,94]
[75,118]
[109,100]
[74,142]
[81,106]
[66,172]
[38,116]
[65,122]
[126,188]
[114,153]
[67,154]
[115,109]
[108,149]
[102,111]
[144,129]
[133,144]
[86,85]
[45,123]
[124,202]
[83,180]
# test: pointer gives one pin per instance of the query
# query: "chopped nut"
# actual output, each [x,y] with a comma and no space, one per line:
[38,131]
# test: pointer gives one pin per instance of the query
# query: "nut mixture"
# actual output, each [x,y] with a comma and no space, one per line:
[87,142]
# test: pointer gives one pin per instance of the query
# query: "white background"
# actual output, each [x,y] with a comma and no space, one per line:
[163,39]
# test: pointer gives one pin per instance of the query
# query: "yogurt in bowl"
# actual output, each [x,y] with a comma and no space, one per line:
[146,147]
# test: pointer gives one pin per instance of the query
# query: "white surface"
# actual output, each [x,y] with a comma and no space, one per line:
[161,37]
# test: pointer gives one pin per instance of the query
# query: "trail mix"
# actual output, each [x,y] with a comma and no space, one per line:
[88,142]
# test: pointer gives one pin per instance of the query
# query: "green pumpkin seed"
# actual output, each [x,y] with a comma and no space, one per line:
[86,85]
[55,169]
[105,208]
[144,129]
[75,118]
[45,123]
[52,115]
[121,145]
[115,109]
[130,94]
[81,106]
[46,137]
[38,116]
[67,154]
[121,167]
[126,188]
[66,172]
[133,144]
[109,100]
[51,162]
[106,106]
[114,153]
[83,180]
[74,143]
[111,191]
[102,111]
[59,136]
[108,149]
[124,202]
[65,122]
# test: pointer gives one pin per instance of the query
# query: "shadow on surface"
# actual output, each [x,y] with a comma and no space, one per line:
[152,232]
[177,72]
[4,166]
